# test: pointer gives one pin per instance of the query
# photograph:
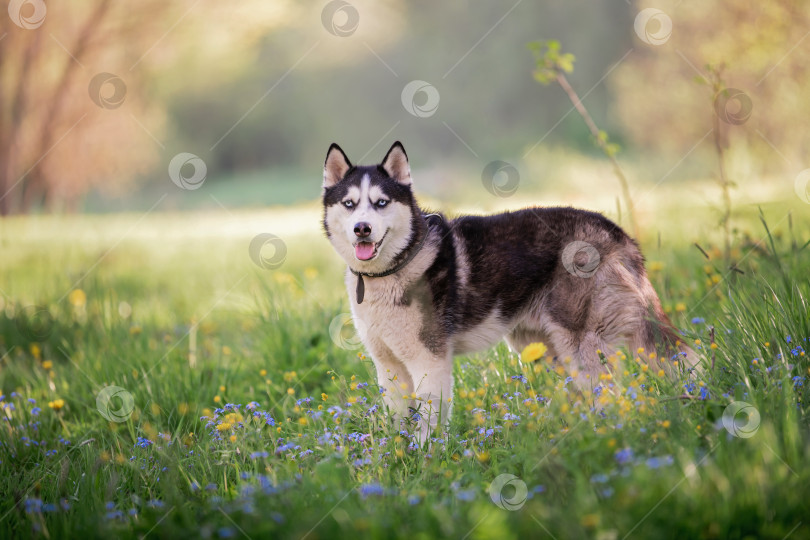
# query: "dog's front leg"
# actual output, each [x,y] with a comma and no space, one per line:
[432,377]
[394,379]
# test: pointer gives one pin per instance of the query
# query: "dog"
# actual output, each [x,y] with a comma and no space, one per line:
[424,288]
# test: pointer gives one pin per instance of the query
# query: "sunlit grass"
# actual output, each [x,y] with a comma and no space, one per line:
[248,418]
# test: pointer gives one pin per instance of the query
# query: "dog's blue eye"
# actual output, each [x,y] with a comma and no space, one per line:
[382,202]
[348,204]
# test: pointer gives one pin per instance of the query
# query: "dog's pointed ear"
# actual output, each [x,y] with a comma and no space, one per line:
[396,164]
[335,167]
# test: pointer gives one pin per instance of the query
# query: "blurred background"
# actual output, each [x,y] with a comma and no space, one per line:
[97,98]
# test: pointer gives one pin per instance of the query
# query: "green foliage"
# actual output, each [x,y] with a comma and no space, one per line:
[631,460]
[610,148]
[550,61]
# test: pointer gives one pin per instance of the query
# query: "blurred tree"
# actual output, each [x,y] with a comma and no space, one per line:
[78,88]
[257,84]
[766,50]
[57,137]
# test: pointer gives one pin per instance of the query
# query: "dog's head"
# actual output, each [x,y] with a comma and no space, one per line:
[369,211]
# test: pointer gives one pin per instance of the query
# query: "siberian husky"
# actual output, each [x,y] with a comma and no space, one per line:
[424,287]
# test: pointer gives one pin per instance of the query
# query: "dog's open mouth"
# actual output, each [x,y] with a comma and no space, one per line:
[365,251]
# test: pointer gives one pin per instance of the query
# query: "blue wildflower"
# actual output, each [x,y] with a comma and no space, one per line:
[624,456]
[466,495]
[599,479]
[656,462]
[368,490]
[143,442]
[32,506]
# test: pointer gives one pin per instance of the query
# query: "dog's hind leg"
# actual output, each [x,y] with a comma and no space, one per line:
[592,357]
[562,344]
[656,332]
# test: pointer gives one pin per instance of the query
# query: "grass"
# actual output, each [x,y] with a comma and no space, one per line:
[248,417]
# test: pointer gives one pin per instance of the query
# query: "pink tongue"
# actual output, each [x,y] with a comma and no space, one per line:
[364,250]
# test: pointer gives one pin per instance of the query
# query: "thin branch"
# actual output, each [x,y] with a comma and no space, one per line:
[583,112]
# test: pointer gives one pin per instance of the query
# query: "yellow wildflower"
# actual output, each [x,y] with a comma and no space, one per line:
[590,521]
[77,297]
[56,404]
[533,352]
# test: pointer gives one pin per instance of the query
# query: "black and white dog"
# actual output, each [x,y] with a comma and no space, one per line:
[424,288]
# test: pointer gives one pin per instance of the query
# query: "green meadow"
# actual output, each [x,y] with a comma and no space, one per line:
[160,380]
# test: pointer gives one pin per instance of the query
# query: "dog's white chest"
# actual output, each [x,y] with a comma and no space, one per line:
[383,317]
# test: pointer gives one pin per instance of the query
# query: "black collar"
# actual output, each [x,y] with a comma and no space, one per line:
[361,287]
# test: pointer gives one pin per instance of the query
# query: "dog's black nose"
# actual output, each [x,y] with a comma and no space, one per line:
[362,229]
